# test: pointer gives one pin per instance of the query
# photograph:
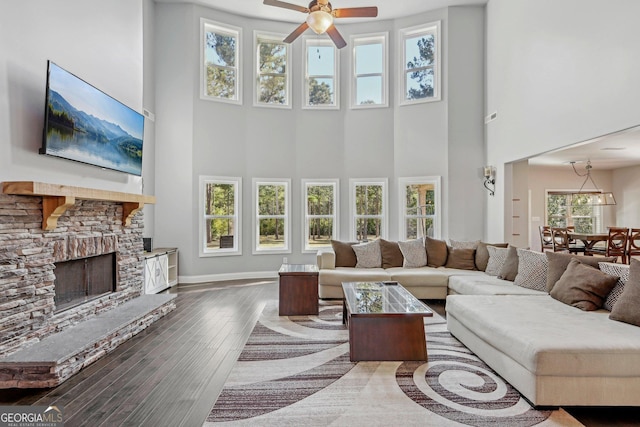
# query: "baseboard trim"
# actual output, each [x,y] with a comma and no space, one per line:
[251,275]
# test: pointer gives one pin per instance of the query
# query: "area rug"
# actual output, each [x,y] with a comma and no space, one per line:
[295,371]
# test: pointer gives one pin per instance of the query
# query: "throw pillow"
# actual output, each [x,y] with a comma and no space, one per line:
[415,255]
[559,261]
[509,269]
[455,244]
[368,254]
[532,270]
[436,252]
[626,309]
[345,256]
[391,255]
[482,254]
[620,270]
[463,259]
[583,286]
[497,256]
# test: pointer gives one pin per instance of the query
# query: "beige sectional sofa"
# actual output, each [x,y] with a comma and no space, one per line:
[422,282]
[553,353]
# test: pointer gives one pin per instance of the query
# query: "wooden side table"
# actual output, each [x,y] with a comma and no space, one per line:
[298,289]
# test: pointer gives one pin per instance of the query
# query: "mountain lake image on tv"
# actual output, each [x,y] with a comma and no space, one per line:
[84,124]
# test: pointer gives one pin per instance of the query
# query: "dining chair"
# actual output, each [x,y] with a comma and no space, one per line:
[616,244]
[572,229]
[546,238]
[634,244]
[560,240]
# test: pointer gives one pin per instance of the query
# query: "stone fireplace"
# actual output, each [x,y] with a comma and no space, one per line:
[86,230]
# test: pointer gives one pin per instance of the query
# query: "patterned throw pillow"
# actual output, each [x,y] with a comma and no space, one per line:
[532,270]
[622,272]
[497,257]
[368,255]
[414,253]
[464,245]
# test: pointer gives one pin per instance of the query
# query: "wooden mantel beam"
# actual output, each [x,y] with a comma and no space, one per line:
[56,199]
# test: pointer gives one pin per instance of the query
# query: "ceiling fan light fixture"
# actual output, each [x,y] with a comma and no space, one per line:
[319,21]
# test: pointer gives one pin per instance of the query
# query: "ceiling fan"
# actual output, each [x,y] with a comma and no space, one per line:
[320,18]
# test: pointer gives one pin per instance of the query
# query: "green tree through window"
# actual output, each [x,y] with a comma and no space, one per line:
[565,209]
[221,213]
[320,214]
[272,204]
[272,72]
[421,68]
[221,62]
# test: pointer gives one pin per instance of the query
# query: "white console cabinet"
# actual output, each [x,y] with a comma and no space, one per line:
[160,270]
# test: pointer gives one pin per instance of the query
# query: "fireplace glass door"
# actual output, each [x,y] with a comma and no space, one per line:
[81,280]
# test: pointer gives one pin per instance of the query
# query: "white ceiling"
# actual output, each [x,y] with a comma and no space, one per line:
[617,150]
[387,9]
[608,152]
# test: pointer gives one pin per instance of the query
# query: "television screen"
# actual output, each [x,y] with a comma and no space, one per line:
[84,124]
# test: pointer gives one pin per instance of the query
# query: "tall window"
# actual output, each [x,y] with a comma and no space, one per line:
[369,87]
[320,213]
[221,71]
[272,71]
[419,207]
[565,209]
[420,64]
[220,213]
[369,209]
[272,232]
[321,76]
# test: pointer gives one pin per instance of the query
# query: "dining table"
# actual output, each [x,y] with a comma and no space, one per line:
[588,239]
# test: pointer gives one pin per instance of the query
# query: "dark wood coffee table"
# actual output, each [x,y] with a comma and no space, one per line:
[298,289]
[385,322]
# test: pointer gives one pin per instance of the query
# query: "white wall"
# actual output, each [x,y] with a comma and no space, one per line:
[99,41]
[198,137]
[626,190]
[558,72]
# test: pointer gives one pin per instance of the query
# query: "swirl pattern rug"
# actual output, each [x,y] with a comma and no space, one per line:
[295,371]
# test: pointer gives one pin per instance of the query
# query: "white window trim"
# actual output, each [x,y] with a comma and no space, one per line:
[336,209]
[237,242]
[287,209]
[226,29]
[364,39]
[353,182]
[402,192]
[336,74]
[405,33]
[256,78]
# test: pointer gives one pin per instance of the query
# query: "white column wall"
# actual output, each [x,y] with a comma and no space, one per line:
[558,72]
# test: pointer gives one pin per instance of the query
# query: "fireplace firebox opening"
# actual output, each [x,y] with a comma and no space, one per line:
[81,280]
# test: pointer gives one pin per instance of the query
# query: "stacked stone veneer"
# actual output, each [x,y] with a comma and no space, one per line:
[27,270]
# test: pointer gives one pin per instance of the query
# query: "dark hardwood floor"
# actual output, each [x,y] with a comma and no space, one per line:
[172,373]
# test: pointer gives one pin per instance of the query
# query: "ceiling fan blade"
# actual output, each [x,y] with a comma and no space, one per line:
[356,12]
[296,33]
[286,5]
[336,37]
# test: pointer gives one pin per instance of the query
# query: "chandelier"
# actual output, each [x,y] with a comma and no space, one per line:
[596,197]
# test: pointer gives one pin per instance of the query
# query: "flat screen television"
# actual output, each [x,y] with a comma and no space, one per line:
[84,124]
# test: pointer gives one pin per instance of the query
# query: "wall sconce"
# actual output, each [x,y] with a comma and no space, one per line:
[490,179]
